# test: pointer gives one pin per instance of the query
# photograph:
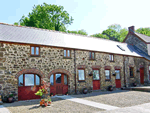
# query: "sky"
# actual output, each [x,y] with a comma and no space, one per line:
[93,16]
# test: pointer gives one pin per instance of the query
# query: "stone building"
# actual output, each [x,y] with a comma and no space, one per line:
[69,62]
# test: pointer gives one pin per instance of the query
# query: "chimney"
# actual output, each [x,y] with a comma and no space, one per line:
[131,29]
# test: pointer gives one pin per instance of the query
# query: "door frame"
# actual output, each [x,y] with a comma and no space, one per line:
[99,77]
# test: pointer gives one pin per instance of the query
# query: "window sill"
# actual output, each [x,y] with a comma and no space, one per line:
[107,80]
[67,58]
[92,59]
[81,80]
[34,55]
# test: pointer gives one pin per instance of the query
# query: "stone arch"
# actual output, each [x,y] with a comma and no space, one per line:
[32,70]
[59,71]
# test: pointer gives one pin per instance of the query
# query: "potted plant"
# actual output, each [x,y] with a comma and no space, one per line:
[10,97]
[110,88]
[84,90]
[45,98]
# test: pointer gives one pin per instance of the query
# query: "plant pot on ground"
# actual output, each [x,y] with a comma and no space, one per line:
[110,88]
[84,90]
[10,98]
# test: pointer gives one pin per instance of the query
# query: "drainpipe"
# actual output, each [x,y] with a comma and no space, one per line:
[124,71]
[75,70]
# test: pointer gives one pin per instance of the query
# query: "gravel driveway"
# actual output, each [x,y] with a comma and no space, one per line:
[120,98]
[58,106]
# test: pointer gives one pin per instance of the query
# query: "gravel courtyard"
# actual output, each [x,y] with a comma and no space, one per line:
[119,98]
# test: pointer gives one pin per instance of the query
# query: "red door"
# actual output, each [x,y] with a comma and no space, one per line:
[118,79]
[142,75]
[96,80]
[26,89]
[59,84]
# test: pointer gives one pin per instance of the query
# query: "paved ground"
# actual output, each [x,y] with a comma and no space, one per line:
[120,98]
[127,101]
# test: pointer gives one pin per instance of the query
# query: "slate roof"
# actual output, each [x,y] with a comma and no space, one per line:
[144,37]
[30,35]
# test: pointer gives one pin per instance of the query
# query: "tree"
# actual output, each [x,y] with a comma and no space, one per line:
[81,32]
[99,35]
[116,27]
[47,16]
[145,31]
[123,33]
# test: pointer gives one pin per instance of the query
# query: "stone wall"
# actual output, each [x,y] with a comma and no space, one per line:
[15,59]
[133,40]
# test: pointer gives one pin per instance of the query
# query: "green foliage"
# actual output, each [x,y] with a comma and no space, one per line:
[81,32]
[47,16]
[115,27]
[145,31]
[99,35]
[39,93]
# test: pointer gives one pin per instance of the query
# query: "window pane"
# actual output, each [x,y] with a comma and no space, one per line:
[68,53]
[29,79]
[81,74]
[117,74]
[58,78]
[93,55]
[37,80]
[110,57]
[95,74]
[20,80]
[64,53]
[65,79]
[52,80]
[37,50]
[107,74]
[131,71]
[32,50]
[90,54]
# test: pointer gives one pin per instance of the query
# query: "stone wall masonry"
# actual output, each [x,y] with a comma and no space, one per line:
[133,40]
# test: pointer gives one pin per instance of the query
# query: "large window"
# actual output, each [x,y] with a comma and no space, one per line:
[96,75]
[131,71]
[117,74]
[92,55]
[35,51]
[67,53]
[28,80]
[111,57]
[58,78]
[107,74]
[81,75]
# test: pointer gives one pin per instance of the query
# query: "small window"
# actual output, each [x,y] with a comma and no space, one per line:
[107,74]
[35,51]
[81,75]
[37,80]
[117,74]
[58,78]
[52,80]
[111,57]
[67,53]
[131,72]
[29,79]
[96,75]
[65,79]
[20,80]
[91,55]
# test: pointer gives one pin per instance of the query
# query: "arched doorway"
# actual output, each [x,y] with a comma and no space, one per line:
[59,83]
[28,85]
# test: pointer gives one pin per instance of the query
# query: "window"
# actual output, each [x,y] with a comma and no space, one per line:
[111,57]
[131,72]
[92,55]
[117,74]
[52,80]
[149,71]
[35,51]
[58,78]
[81,75]
[65,79]
[107,74]
[28,80]
[96,75]
[67,53]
